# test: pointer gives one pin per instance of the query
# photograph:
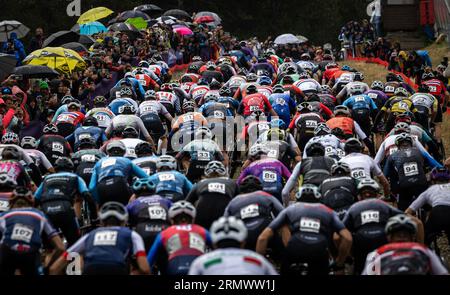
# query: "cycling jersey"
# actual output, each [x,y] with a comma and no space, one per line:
[62,187]
[435,195]
[198,92]
[146,81]
[353,86]
[362,166]
[85,161]
[331,143]
[425,100]
[254,102]
[195,118]
[308,86]
[231,261]
[416,132]
[348,125]
[379,97]
[171,184]
[39,158]
[360,102]
[399,105]
[148,164]
[437,88]
[72,118]
[104,116]
[130,144]
[117,103]
[170,101]
[283,105]
[338,193]
[215,111]
[97,133]
[16,171]
[120,122]
[152,107]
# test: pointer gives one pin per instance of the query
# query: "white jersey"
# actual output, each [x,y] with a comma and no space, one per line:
[308,85]
[231,261]
[362,166]
[388,147]
[123,121]
[39,158]
[152,107]
[331,143]
[104,116]
[353,86]
[130,144]
[423,99]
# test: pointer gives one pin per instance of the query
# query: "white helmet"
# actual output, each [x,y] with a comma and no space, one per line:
[228,228]
[203,133]
[166,161]
[182,207]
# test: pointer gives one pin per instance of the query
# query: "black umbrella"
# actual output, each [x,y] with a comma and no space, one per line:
[7,64]
[76,28]
[31,71]
[167,20]
[148,8]
[86,40]
[78,47]
[60,38]
[123,27]
[129,14]
[178,13]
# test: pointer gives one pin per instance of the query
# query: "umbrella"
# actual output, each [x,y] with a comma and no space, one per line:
[86,40]
[123,27]
[287,39]
[7,64]
[204,19]
[61,59]
[302,39]
[75,46]
[148,8]
[167,20]
[60,38]
[208,14]
[92,28]
[139,23]
[31,72]
[183,31]
[178,13]
[75,28]
[94,15]
[131,14]
[11,26]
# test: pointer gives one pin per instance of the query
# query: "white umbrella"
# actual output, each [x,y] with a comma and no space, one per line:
[370,8]
[287,39]
[167,20]
[11,26]
[302,39]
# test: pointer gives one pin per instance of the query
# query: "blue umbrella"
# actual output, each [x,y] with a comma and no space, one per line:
[92,28]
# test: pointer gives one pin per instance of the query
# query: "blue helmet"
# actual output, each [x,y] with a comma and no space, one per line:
[346,68]
[264,80]
[278,123]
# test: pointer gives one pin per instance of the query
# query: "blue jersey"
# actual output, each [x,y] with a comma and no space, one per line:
[229,113]
[60,186]
[87,131]
[137,87]
[22,229]
[283,104]
[160,204]
[118,102]
[171,181]
[114,167]
[359,102]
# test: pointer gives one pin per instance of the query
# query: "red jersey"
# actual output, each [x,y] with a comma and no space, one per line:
[184,240]
[256,102]
[437,88]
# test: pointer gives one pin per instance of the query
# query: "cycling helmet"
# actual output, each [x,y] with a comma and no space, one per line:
[304,76]
[215,167]
[342,110]
[182,207]
[377,85]
[142,149]
[150,95]
[10,138]
[405,117]
[368,184]
[127,109]
[74,104]
[203,133]
[166,161]
[278,89]
[100,101]
[402,127]
[404,137]
[307,191]
[50,129]
[331,65]
[276,134]
[251,89]
[116,148]
[143,185]
[326,89]
[287,80]
[346,68]
[22,193]
[7,182]
[193,69]
[358,76]
[316,149]
[29,142]
[400,91]
[305,57]
[427,76]
[400,78]
[215,85]
[166,87]
[353,145]
[305,107]
[202,82]
[11,153]
[90,121]
[228,228]
[225,91]
[401,222]
[67,99]
[186,79]
[250,184]
[264,80]
[64,164]
[322,129]
[251,77]
[278,123]
[391,77]
[210,66]
[113,210]
[196,58]
[87,142]
[440,174]
[188,106]
[340,168]
[211,96]
[130,132]
[144,64]
[257,150]
[129,75]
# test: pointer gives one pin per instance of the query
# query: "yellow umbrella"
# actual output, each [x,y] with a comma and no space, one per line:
[61,59]
[94,14]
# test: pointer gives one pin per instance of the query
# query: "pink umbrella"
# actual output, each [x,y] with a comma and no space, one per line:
[183,31]
[205,19]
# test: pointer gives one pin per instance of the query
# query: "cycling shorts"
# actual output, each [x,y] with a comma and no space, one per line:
[180,265]
[114,189]
[149,231]
[27,263]
[154,126]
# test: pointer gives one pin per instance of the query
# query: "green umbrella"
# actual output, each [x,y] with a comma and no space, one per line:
[138,22]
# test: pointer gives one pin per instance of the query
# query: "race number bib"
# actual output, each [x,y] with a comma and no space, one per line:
[57,147]
[358,173]
[143,82]
[373,95]
[88,158]
[254,108]
[173,244]
[311,225]
[269,176]
[100,118]
[263,127]
[329,151]
[280,102]
[216,188]
[370,216]
[131,152]
[203,156]
[166,177]
[108,162]
[360,99]
[219,115]
[4,205]
[250,211]
[273,154]
[105,238]
[148,109]
[188,118]
[403,106]
[157,212]
[310,124]
[389,89]
[84,135]
[196,242]
[118,94]
[410,169]
[21,233]
[432,88]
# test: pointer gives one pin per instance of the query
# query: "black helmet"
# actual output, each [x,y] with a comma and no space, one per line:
[116,148]
[316,149]
[423,88]
[278,89]
[215,167]
[250,184]
[100,101]
[215,85]
[130,132]
[252,89]
[391,77]
[10,153]
[50,129]
[353,145]
[304,107]
[142,149]
[87,142]
[188,106]
[225,91]
[90,121]
[64,164]
[401,222]
[340,168]
[358,76]
[7,182]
